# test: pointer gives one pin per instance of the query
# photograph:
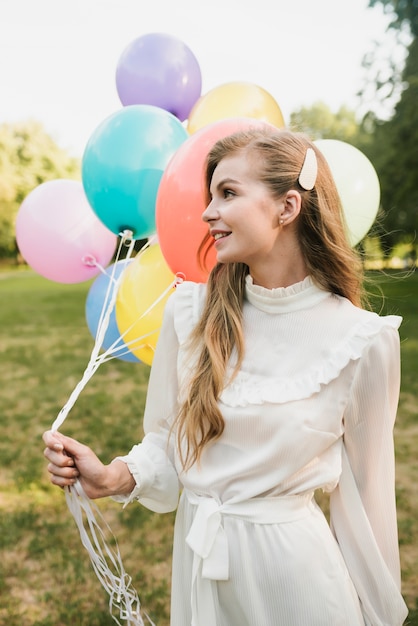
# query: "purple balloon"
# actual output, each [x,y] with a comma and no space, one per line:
[160,70]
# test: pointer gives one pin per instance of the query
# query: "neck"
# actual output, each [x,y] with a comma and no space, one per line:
[285,268]
[278,280]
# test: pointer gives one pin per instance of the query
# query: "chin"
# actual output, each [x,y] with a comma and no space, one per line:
[225,257]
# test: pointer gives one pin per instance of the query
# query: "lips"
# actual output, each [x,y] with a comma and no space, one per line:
[220,234]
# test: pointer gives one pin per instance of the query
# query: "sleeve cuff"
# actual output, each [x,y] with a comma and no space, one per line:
[157,484]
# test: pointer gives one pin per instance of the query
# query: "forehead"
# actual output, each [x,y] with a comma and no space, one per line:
[237,166]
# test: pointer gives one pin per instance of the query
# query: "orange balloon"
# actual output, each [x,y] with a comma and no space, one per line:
[236,99]
[181,199]
[142,295]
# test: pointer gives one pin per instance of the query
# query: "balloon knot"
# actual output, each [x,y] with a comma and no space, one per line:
[89,260]
[180,278]
[126,236]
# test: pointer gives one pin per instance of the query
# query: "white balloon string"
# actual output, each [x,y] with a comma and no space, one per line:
[94,360]
[118,348]
[110,285]
[111,291]
[133,342]
[107,563]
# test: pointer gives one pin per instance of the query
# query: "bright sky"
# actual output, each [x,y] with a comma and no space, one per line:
[58,58]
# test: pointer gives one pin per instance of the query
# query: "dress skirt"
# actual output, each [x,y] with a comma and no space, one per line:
[229,570]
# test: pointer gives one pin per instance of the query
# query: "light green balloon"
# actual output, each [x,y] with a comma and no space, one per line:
[357,184]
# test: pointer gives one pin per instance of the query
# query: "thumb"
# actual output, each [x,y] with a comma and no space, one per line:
[69,445]
[53,440]
[60,443]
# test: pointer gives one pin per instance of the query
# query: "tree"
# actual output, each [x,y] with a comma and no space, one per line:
[403,12]
[319,122]
[394,147]
[28,157]
[397,162]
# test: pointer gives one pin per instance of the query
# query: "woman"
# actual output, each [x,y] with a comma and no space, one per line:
[276,383]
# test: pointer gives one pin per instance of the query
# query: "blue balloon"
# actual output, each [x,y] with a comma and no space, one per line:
[123,163]
[96,299]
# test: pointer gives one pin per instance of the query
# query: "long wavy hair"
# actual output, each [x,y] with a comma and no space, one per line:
[277,157]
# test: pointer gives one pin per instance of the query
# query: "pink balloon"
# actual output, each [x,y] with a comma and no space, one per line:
[60,236]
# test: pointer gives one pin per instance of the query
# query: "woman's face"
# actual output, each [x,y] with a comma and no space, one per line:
[243,216]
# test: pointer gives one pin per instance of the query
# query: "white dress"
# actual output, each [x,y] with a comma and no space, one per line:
[312,407]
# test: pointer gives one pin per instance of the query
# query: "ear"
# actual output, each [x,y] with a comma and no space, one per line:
[290,207]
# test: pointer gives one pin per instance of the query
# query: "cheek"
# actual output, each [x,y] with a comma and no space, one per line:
[260,226]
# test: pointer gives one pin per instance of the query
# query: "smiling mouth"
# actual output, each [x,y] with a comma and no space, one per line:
[218,236]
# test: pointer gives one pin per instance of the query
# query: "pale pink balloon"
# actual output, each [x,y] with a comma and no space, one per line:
[60,236]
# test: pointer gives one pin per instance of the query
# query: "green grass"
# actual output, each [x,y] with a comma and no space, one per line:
[45,576]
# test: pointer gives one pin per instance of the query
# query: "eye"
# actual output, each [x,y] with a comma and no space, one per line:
[227,193]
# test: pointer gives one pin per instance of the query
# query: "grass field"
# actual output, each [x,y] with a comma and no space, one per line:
[45,575]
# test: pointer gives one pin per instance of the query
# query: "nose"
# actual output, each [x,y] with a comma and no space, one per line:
[210,213]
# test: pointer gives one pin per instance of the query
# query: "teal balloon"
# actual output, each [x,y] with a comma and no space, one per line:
[123,163]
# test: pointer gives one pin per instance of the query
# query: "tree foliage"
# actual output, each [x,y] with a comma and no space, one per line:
[395,155]
[394,147]
[403,12]
[28,157]
[319,122]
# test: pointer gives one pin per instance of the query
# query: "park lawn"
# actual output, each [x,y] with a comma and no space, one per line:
[46,577]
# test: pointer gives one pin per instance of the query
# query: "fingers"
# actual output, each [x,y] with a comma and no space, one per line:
[55,451]
[61,465]
[57,441]
[70,460]
[62,476]
[59,459]
[52,440]
[62,446]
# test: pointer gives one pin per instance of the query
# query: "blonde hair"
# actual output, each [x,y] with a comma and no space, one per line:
[278,157]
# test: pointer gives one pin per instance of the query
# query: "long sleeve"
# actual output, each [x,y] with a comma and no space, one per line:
[151,462]
[363,507]
[369,440]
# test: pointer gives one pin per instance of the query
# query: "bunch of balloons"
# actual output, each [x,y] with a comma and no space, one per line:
[137,185]
[142,179]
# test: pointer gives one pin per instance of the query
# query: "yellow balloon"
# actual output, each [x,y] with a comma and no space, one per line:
[146,284]
[236,99]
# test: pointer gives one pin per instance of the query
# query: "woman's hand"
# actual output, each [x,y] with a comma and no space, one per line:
[70,460]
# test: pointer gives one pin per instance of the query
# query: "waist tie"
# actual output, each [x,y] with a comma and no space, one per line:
[207,538]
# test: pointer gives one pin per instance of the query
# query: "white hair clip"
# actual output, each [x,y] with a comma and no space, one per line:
[309,171]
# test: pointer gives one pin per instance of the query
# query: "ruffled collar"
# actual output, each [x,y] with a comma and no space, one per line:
[302,295]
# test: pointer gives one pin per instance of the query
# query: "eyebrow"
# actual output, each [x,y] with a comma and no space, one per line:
[227,181]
